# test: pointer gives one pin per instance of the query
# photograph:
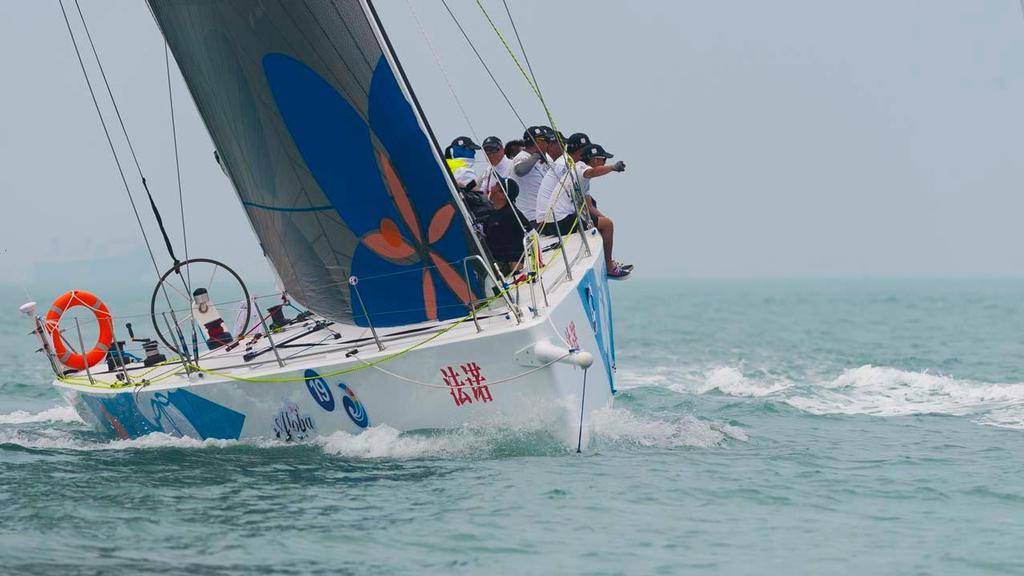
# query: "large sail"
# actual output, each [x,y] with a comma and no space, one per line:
[327,155]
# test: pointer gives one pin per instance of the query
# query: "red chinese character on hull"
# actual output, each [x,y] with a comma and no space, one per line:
[469,381]
[570,336]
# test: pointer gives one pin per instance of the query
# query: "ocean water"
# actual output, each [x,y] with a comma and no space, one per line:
[763,427]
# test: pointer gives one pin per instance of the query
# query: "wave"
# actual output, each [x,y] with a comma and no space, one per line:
[608,427]
[384,442]
[63,440]
[732,382]
[620,426]
[866,390]
[62,413]
[881,391]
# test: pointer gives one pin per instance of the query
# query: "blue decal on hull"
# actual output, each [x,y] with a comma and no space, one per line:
[597,304]
[319,390]
[355,409]
[179,413]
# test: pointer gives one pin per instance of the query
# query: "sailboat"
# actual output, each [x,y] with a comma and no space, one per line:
[403,319]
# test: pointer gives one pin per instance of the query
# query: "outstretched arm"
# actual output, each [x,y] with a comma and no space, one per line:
[619,166]
[523,166]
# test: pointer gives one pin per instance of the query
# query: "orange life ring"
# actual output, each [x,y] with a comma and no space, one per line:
[81,360]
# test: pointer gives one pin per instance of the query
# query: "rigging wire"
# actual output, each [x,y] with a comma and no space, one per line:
[177,165]
[523,49]
[187,278]
[481,59]
[110,141]
[444,73]
[110,93]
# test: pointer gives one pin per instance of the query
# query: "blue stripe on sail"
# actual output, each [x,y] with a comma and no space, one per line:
[334,142]
[278,209]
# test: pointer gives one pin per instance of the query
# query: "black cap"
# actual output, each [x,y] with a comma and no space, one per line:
[493,142]
[465,142]
[577,141]
[536,132]
[595,150]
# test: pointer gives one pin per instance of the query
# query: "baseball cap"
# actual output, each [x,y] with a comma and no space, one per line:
[577,141]
[536,132]
[596,150]
[493,142]
[465,142]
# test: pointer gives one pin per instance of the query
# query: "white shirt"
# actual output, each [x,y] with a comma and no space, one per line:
[556,189]
[528,185]
[501,170]
[584,182]
[464,175]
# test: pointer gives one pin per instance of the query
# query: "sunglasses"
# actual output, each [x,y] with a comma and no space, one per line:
[490,150]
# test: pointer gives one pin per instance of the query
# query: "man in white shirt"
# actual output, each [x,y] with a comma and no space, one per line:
[529,167]
[555,208]
[498,167]
[593,164]
[563,211]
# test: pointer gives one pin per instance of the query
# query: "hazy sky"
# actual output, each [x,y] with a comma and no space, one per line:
[807,138]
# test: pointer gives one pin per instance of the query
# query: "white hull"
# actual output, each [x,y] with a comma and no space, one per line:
[460,377]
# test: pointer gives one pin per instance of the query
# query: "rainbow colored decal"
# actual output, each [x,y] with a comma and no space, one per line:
[353,406]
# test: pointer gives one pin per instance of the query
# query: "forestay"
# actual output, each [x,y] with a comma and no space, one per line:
[327,156]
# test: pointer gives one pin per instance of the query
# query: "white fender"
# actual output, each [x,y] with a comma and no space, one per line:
[544,352]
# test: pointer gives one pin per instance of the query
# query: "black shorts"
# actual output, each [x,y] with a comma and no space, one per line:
[563,226]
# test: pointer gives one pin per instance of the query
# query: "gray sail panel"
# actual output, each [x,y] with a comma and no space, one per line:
[325,153]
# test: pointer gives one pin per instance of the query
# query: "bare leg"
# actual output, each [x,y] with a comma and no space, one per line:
[606,228]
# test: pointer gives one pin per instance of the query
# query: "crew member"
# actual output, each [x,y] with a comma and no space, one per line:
[512,148]
[529,167]
[594,165]
[499,166]
[460,157]
[555,208]
[576,145]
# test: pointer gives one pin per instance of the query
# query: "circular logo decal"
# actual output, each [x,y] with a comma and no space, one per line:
[353,406]
[319,390]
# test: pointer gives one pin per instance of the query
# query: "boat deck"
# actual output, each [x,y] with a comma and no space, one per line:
[315,341]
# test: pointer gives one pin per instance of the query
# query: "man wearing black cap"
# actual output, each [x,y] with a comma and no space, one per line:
[460,161]
[499,166]
[529,167]
[593,165]
[555,206]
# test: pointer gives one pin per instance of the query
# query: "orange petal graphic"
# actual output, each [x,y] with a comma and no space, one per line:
[390,231]
[452,278]
[382,245]
[429,295]
[440,222]
[398,194]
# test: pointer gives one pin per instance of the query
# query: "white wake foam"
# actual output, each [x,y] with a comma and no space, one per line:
[62,413]
[880,391]
[387,442]
[620,426]
[732,382]
[868,390]
[62,440]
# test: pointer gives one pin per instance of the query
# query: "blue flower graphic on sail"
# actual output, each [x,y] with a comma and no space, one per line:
[382,179]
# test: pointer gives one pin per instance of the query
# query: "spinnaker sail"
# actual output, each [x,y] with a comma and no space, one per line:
[327,155]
